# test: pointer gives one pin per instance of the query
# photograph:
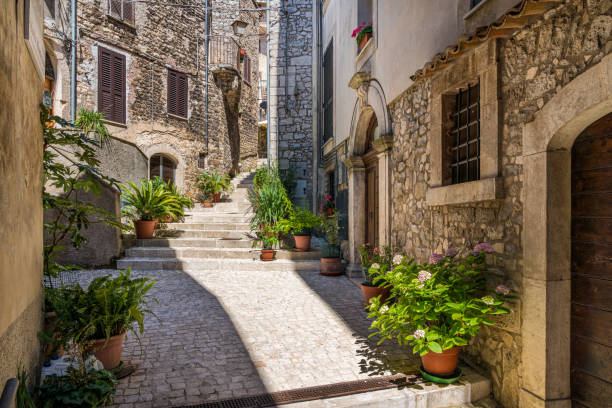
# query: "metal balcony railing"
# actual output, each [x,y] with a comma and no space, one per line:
[223,51]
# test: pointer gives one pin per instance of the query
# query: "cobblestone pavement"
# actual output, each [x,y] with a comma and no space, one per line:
[228,333]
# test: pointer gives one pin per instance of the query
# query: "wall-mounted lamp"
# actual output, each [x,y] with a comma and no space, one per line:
[239,27]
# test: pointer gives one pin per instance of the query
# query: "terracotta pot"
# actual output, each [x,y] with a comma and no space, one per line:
[207,204]
[109,356]
[370,292]
[364,41]
[302,242]
[329,212]
[217,197]
[332,266]
[267,255]
[50,323]
[443,363]
[145,229]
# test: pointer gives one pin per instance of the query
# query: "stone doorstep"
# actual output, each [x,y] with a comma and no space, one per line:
[197,264]
[470,389]
[215,253]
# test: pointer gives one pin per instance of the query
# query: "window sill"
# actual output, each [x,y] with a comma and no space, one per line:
[170,115]
[365,54]
[121,21]
[489,189]
[116,124]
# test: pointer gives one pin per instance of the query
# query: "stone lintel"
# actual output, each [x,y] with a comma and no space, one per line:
[488,189]
[383,143]
[358,79]
[354,163]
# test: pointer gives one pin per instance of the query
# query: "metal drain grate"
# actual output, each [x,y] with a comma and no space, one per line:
[312,393]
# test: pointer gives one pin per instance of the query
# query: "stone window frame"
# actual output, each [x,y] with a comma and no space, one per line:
[481,64]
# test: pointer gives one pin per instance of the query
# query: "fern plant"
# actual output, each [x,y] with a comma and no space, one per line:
[148,202]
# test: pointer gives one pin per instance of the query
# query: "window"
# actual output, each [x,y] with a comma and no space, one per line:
[328,93]
[111,85]
[474,3]
[122,9]
[50,7]
[463,153]
[246,69]
[178,93]
[262,44]
[162,166]
[202,160]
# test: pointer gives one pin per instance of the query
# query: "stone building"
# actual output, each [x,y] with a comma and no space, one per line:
[22,74]
[445,135]
[143,65]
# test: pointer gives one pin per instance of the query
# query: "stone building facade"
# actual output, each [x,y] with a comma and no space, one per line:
[152,45]
[542,72]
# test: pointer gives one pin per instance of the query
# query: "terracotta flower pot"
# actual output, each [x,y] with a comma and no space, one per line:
[207,204]
[443,363]
[332,266]
[109,355]
[329,212]
[217,197]
[167,218]
[302,242]
[370,292]
[144,229]
[267,255]
[364,41]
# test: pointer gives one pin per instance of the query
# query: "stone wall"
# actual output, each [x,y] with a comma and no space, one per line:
[534,64]
[291,87]
[21,244]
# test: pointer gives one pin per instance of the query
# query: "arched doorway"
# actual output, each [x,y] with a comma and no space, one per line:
[162,166]
[370,159]
[591,266]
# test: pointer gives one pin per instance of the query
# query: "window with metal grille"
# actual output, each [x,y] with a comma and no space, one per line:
[178,93]
[202,160]
[328,93]
[122,9]
[111,85]
[464,137]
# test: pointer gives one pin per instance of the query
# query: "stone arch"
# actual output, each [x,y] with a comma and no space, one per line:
[547,143]
[169,151]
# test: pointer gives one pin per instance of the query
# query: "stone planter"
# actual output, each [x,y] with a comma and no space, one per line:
[302,242]
[370,292]
[332,266]
[441,364]
[267,255]
[109,355]
[145,229]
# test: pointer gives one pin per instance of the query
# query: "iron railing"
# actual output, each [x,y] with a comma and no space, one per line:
[223,51]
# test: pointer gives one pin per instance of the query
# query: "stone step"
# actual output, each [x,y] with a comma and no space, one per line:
[193,243]
[195,264]
[207,226]
[217,218]
[215,253]
[219,234]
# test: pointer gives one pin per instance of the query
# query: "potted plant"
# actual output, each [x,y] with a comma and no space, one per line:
[331,254]
[362,34]
[439,307]
[82,387]
[329,206]
[300,224]
[214,184]
[268,237]
[268,198]
[374,263]
[147,203]
[176,213]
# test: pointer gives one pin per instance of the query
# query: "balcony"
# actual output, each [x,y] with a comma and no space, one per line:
[224,54]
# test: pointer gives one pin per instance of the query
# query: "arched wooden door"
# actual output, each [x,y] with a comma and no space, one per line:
[591,321]
[371,163]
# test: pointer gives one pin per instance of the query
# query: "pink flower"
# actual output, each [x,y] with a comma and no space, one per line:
[482,247]
[397,259]
[435,258]
[451,252]
[424,276]
[419,334]
[502,290]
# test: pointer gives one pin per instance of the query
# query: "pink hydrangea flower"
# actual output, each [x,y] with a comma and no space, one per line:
[482,247]
[419,334]
[451,252]
[435,258]
[424,276]
[502,290]
[397,259]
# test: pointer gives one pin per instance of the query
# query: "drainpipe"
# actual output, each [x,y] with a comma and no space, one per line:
[316,52]
[73,78]
[268,79]
[206,70]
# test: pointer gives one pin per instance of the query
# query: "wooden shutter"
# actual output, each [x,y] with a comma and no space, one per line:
[167,169]
[111,85]
[128,11]
[154,166]
[178,93]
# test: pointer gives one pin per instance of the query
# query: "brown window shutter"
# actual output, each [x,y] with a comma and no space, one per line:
[118,88]
[105,78]
[172,92]
[182,95]
[128,11]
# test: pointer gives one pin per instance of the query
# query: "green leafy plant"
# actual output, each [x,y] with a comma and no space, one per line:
[361,31]
[268,236]
[148,202]
[331,229]
[23,398]
[440,305]
[300,222]
[80,388]
[183,201]
[328,204]
[213,183]
[70,167]
[268,198]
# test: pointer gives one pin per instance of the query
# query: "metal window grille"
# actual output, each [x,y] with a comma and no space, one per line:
[202,160]
[465,136]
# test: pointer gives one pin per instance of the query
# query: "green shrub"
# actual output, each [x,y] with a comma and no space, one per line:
[80,388]
[149,201]
[213,183]
[300,222]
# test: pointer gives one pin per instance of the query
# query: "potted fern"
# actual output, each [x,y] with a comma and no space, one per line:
[331,254]
[214,184]
[300,223]
[268,238]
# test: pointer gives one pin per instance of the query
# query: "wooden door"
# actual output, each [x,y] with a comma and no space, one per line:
[591,321]
[372,203]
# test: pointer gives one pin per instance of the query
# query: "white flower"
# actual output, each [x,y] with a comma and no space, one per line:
[420,286]
[424,276]
[488,300]
[397,259]
[375,266]
[384,309]
[419,334]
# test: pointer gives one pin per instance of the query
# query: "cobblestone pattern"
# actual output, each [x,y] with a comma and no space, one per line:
[153,45]
[291,85]
[535,64]
[233,333]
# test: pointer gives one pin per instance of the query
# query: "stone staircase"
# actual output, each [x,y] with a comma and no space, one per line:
[212,238]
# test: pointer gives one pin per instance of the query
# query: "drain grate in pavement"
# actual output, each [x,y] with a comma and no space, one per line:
[312,393]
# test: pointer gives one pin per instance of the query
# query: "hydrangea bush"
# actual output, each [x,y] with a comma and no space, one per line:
[439,305]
